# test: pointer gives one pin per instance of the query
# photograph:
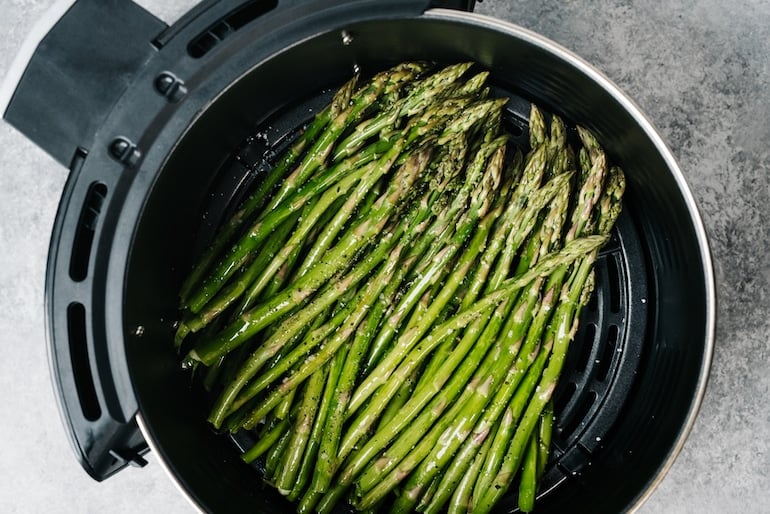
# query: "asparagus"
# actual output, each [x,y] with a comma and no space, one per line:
[424,125]
[528,479]
[433,261]
[561,331]
[268,222]
[336,259]
[351,319]
[365,300]
[318,153]
[266,441]
[330,442]
[392,376]
[581,217]
[259,292]
[570,252]
[278,250]
[479,205]
[416,101]
[415,129]
[295,324]
[515,332]
[300,434]
[257,198]
[449,394]
[310,455]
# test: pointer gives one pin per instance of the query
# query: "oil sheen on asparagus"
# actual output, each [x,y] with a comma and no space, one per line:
[389,310]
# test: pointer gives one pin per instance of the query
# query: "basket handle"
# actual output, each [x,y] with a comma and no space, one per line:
[83,55]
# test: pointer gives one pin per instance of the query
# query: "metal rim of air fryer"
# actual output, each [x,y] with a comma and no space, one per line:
[659,295]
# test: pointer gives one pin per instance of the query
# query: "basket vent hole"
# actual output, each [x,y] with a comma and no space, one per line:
[81,366]
[614,277]
[586,347]
[610,348]
[84,233]
[225,27]
[564,397]
[579,414]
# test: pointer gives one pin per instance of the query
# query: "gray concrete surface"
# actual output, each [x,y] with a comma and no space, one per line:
[700,69]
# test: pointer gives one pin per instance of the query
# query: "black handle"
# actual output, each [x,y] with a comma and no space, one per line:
[88,59]
[78,72]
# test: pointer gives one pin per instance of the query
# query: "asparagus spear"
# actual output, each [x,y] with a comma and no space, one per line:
[337,259]
[418,99]
[515,332]
[432,261]
[546,266]
[393,378]
[528,478]
[575,294]
[300,435]
[258,274]
[331,437]
[310,457]
[239,253]
[318,153]
[258,197]
[331,292]
[421,126]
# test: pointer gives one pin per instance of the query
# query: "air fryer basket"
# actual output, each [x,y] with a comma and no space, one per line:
[165,128]
[636,372]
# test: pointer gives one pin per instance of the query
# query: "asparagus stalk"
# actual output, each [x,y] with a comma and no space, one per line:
[418,99]
[255,362]
[268,222]
[545,267]
[318,153]
[432,260]
[337,258]
[296,323]
[266,441]
[575,295]
[289,468]
[436,235]
[418,453]
[479,205]
[528,478]
[460,502]
[515,333]
[351,320]
[278,249]
[258,197]
[581,215]
[393,378]
[310,457]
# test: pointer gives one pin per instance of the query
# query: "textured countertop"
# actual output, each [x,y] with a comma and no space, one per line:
[700,70]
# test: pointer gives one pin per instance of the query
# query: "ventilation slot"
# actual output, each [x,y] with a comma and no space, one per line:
[614,282]
[580,415]
[227,26]
[84,235]
[561,400]
[586,347]
[81,368]
[609,353]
